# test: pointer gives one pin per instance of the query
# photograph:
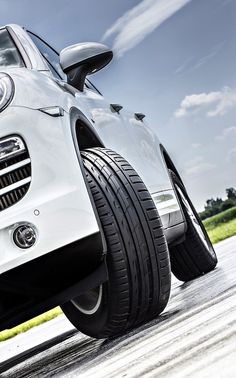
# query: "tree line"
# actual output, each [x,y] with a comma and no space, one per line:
[216,206]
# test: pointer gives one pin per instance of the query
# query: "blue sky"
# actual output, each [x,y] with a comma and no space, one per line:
[174,61]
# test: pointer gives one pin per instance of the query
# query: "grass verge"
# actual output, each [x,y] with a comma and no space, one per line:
[221,226]
[220,218]
[222,231]
[8,333]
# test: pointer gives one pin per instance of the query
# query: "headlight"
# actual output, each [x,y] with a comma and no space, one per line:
[6,90]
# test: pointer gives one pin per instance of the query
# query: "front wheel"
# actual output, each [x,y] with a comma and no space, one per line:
[195,256]
[137,258]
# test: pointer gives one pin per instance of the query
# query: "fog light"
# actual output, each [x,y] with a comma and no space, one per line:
[24,236]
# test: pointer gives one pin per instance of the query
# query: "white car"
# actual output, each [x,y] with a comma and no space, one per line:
[94,215]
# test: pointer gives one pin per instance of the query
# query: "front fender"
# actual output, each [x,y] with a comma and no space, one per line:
[57,190]
[38,89]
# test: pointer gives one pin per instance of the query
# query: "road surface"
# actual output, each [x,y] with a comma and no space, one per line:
[194,337]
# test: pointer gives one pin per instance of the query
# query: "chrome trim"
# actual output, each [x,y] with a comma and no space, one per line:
[16,185]
[10,147]
[9,90]
[33,54]
[53,111]
[165,202]
[19,47]
[15,171]
[19,237]
[13,167]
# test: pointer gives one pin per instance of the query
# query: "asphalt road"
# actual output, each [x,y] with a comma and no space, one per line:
[195,336]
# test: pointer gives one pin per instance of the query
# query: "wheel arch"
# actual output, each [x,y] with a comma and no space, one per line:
[169,163]
[84,136]
[171,167]
[83,132]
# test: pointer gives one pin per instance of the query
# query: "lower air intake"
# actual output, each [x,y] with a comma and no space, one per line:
[15,171]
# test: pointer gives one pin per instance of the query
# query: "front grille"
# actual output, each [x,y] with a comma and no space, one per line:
[15,171]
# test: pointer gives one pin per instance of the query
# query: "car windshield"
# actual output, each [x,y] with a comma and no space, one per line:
[9,55]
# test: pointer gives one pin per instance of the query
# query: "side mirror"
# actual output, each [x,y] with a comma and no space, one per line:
[82,59]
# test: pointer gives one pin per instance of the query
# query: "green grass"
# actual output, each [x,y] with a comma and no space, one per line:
[8,333]
[221,226]
[221,218]
[223,231]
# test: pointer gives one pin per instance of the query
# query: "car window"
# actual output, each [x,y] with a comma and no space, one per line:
[9,55]
[51,56]
[91,86]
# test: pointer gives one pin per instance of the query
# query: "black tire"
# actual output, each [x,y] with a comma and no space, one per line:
[195,256]
[138,264]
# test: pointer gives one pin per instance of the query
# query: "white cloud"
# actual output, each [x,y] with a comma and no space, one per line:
[229,132]
[140,21]
[213,52]
[197,166]
[215,103]
[192,63]
[184,66]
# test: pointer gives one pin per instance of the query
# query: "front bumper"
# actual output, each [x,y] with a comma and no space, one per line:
[57,191]
[50,280]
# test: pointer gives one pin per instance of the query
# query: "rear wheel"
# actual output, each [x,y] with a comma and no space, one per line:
[195,256]
[137,255]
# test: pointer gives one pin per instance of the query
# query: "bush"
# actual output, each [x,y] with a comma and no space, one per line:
[218,219]
[227,204]
[205,214]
